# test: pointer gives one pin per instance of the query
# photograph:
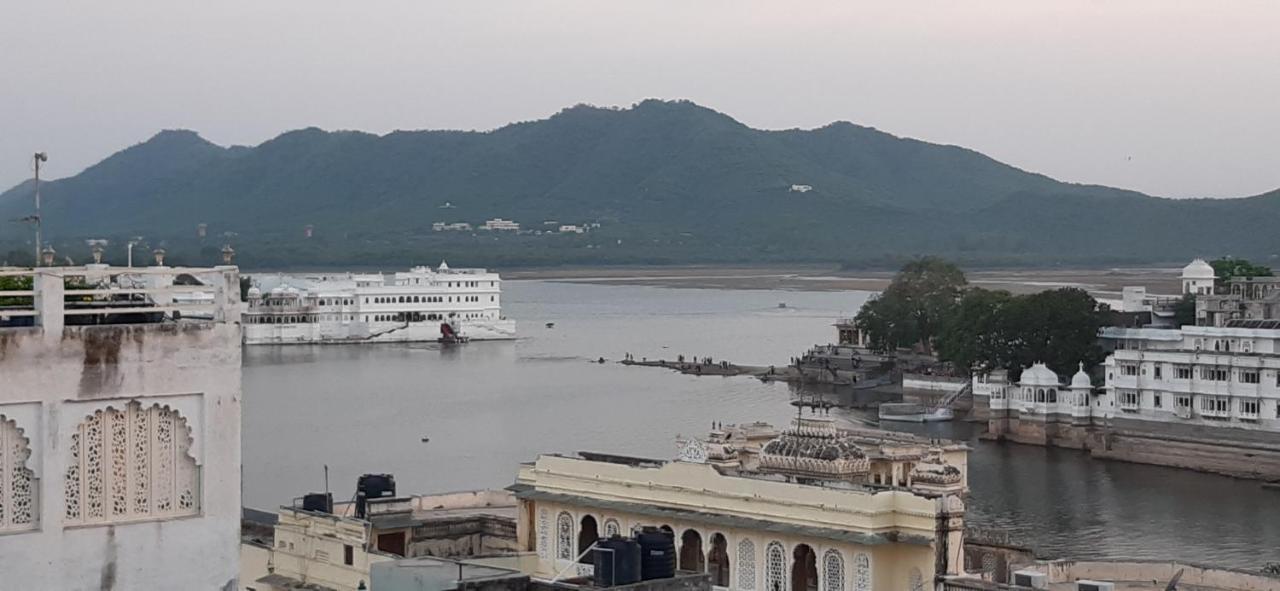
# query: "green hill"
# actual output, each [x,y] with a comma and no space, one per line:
[667,182]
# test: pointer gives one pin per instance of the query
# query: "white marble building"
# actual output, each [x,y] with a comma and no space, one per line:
[119,428]
[1209,376]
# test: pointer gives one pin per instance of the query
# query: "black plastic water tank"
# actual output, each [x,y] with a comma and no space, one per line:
[616,562]
[373,486]
[321,502]
[657,554]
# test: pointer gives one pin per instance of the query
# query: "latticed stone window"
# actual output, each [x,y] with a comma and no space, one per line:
[17,493]
[861,572]
[833,570]
[544,533]
[611,528]
[131,464]
[747,565]
[564,536]
[775,567]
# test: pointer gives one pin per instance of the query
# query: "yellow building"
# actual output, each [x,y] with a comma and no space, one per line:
[819,509]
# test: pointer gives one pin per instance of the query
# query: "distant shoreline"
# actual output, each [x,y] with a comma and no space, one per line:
[1105,282]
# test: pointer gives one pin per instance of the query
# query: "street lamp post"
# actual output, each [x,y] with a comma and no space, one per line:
[38,158]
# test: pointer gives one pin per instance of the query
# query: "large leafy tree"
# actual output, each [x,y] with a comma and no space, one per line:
[975,334]
[993,329]
[915,306]
[1227,268]
[1057,327]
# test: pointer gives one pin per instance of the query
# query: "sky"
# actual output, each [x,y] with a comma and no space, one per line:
[1170,97]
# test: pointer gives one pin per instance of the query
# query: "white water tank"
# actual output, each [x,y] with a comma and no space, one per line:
[1030,578]
[1087,585]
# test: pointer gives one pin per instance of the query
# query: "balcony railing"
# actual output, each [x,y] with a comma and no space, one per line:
[52,297]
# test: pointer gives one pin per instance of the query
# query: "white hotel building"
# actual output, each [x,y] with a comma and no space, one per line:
[1203,375]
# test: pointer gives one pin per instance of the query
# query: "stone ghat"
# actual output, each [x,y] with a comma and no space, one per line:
[1247,454]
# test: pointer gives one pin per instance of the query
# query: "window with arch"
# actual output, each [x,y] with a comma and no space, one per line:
[832,570]
[747,565]
[564,536]
[861,572]
[775,567]
[916,580]
[544,533]
[131,464]
[611,528]
[17,493]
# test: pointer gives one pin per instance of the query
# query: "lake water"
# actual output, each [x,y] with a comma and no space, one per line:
[487,406]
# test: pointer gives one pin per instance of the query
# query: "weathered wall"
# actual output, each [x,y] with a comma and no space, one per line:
[56,380]
[1247,454]
[476,535]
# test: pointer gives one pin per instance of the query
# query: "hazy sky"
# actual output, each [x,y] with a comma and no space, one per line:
[1174,98]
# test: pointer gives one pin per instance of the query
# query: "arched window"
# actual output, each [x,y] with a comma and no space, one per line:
[544,533]
[832,571]
[916,580]
[775,575]
[611,528]
[587,535]
[691,556]
[747,565]
[131,464]
[564,536]
[861,572]
[17,495]
[718,560]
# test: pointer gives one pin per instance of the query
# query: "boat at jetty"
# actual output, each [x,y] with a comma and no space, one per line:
[421,305]
[910,412]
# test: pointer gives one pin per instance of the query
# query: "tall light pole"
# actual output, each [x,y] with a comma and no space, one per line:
[38,158]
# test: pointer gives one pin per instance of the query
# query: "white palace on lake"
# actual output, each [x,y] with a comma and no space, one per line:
[422,304]
[1204,396]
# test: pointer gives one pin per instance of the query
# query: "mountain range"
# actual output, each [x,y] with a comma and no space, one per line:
[667,182]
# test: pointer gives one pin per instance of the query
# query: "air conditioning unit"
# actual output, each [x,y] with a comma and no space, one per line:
[1031,578]
[1086,585]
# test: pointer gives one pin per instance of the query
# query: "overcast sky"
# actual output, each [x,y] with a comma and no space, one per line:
[1174,98]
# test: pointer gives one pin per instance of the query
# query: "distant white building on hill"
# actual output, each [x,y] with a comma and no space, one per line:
[501,225]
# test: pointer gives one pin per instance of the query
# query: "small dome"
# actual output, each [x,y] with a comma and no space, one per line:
[444,266]
[1081,379]
[254,292]
[1039,375]
[1198,269]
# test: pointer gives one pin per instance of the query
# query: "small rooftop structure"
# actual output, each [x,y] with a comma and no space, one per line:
[1198,269]
[1039,374]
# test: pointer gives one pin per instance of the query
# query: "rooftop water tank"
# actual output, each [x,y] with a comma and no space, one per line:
[657,554]
[616,562]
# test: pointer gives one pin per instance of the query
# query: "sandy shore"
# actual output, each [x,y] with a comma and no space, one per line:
[1103,283]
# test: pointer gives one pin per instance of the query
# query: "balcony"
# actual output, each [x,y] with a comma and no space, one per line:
[54,297]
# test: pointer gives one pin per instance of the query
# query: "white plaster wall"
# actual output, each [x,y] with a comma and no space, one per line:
[193,367]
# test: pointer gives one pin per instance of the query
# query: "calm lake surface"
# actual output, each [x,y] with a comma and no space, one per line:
[487,406]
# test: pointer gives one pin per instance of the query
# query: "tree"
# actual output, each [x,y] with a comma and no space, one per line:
[974,335]
[913,309]
[1227,268]
[1057,327]
[1184,312]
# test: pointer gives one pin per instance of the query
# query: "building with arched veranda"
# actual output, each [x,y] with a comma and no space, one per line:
[120,428]
[819,509]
